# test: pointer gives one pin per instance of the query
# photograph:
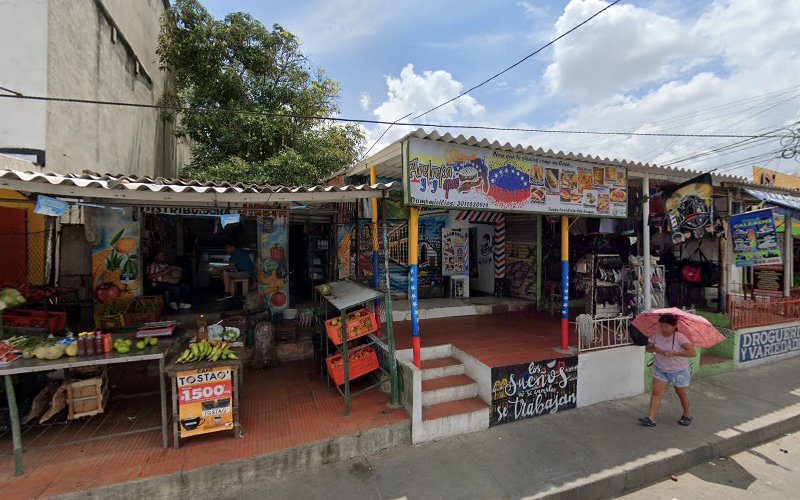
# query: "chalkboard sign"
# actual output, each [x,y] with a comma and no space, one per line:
[533,389]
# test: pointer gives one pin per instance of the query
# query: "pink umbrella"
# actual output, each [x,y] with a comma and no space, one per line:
[697,329]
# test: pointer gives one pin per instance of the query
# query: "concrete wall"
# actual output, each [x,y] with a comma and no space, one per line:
[23,68]
[87,49]
[610,374]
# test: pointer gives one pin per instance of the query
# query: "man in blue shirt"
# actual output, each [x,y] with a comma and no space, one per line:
[239,266]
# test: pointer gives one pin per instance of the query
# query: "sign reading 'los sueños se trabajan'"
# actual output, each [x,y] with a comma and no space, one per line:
[440,174]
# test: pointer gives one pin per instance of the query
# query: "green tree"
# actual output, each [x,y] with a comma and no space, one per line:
[279,134]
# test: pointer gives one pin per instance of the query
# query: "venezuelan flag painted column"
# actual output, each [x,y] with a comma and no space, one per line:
[564,282]
[413,287]
[376,282]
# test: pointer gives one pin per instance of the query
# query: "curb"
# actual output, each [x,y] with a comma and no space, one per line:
[203,482]
[658,466]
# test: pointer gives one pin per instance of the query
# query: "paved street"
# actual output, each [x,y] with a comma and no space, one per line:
[768,471]
[583,448]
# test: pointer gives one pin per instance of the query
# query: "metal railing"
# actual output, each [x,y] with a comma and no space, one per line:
[761,311]
[602,333]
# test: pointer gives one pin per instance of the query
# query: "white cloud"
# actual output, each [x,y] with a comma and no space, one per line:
[532,10]
[621,49]
[412,92]
[327,26]
[364,101]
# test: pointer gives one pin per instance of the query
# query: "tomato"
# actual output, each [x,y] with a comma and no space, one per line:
[278,299]
[106,291]
[276,253]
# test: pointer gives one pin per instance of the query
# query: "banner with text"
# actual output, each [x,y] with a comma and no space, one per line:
[755,242]
[204,400]
[532,389]
[446,175]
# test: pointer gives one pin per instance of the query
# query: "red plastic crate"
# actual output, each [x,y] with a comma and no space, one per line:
[366,362]
[356,327]
[53,321]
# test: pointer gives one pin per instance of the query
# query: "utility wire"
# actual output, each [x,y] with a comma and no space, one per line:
[378,122]
[551,42]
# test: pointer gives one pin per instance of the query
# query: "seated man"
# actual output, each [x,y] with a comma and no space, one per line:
[239,266]
[157,273]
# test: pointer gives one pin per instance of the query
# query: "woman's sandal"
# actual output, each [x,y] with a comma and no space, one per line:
[685,421]
[645,421]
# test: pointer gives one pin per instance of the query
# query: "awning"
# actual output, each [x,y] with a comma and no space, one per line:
[784,204]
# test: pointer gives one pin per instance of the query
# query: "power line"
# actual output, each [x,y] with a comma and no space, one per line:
[374,122]
[551,42]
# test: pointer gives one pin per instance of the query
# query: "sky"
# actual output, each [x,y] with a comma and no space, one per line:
[673,66]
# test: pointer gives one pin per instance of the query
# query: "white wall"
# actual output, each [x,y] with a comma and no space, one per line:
[610,374]
[23,68]
[782,339]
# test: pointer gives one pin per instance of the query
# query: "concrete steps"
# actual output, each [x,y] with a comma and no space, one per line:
[450,402]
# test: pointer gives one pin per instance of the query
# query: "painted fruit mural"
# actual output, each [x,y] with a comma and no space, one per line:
[116,266]
[273,261]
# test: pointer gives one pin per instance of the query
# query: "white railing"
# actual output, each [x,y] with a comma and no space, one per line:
[602,333]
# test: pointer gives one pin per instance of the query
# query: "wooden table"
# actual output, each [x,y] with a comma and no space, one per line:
[25,366]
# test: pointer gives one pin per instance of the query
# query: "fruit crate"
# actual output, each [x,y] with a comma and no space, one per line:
[46,321]
[361,362]
[112,314]
[357,327]
[144,309]
[86,396]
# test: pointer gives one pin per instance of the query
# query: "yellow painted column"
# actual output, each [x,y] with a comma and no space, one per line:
[373,179]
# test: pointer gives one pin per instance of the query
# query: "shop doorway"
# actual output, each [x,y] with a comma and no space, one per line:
[481,259]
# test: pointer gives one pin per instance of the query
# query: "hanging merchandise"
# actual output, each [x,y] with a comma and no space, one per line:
[689,208]
[603,285]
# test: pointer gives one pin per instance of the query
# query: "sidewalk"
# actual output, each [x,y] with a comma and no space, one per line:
[598,451]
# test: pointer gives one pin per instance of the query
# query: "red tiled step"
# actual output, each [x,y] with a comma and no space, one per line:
[445,382]
[439,362]
[451,408]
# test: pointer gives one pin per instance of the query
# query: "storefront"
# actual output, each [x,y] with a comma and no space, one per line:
[189,364]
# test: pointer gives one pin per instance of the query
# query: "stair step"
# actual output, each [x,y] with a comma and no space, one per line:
[451,408]
[446,382]
[441,367]
[444,389]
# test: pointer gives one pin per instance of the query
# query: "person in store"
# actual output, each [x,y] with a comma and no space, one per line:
[162,278]
[239,266]
[672,353]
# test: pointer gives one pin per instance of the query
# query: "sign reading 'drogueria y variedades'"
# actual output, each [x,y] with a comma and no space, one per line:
[769,342]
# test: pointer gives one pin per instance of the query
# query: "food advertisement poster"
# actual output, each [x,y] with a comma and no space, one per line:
[455,251]
[116,262]
[449,176]
[755,242]
[204,400]
[689,209]
[273,259]
[532,389]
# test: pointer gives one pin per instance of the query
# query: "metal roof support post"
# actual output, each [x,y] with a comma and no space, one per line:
[646,278]
[388,304]
[376,281]
[413,283]
[788,255]
[564,283]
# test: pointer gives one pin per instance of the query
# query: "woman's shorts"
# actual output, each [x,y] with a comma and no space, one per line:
[677,379]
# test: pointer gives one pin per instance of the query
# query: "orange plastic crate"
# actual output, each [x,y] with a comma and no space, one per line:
[366,362]
[356,327]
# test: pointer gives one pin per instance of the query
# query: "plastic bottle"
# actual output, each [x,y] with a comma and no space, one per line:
[202,328]
[97,340]
[107,342]
[82,344]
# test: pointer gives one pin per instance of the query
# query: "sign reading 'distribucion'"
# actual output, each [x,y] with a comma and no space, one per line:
[532,389]
[446,175]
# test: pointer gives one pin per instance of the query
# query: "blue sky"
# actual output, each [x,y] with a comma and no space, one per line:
[702,66]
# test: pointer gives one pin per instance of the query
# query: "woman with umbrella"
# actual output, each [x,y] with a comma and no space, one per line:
[673,336]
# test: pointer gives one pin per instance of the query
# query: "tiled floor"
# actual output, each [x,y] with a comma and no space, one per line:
[495,340]
[281,407]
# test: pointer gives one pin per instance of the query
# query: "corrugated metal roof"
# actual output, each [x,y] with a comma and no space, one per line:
[162,184]
[390,158]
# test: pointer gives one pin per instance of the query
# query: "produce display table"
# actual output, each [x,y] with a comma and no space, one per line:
[172,369]
[347,294]
[25,366]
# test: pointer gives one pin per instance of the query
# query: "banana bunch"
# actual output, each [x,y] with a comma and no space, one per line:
[212,350]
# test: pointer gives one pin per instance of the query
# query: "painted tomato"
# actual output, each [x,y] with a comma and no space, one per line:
[277,253]
[278,299]
[106,291]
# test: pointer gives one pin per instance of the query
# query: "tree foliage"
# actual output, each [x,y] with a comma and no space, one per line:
[278,134]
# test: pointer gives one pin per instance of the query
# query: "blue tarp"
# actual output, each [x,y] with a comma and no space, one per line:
[784,204]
